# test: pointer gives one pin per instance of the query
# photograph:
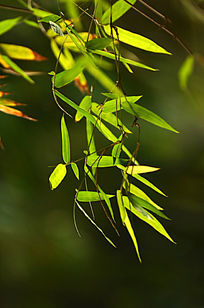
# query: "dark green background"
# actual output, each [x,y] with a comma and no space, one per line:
[43,262]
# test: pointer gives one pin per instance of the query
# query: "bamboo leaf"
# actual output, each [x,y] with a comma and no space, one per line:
[7,24]
[185,72]
[143,203]
[91,196]
[147,115]
[50,17]
[104,161]
[140,169]
[126,221]
[69,75]
[117,104]
[130,188]
[119,8]
[98,43]
[143,180]
[146,217]
[57,176]
[15,112]
[109,117]
[75,169]
[135,40]
[16,68]
[20,52]
[65,141]
[122,59]
[85,105]
[90,141]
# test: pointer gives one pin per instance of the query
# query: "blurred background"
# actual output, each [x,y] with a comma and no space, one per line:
[43,262]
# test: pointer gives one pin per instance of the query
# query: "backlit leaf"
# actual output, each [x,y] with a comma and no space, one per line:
[15,112]
[116,104]
[85,105]
[65,141]
[98,43]
[7,24]
[119,8]
[146,216]
[126,221]
[185,72]
[140,169]
[135,40]
[75,169]
[20,52]
[91,196]
[57,176]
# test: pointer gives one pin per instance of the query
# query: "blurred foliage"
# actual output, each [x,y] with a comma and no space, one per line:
[43,262]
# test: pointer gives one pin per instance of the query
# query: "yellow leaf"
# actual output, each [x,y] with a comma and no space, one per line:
[140,169]
[20,52]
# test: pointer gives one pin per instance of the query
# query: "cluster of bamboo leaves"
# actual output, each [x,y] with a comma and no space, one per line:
[80,53]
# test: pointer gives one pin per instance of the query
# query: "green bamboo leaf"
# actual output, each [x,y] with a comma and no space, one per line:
[135,40]
[50,17]
[117,148]
[130,188]
[126,221]
[185,72]
[65,141]
[57,176]
[132,170]
[143,203]
[97,227]
[119,8]
[8,24]
[76,107]
[98,43]
[143,180]
[109,117]
[105,161]
[16,68]
[117,104]
[91,196]
[147,115]
[85,105]
[69,75]
[146,217]
[122,59]
[75,169]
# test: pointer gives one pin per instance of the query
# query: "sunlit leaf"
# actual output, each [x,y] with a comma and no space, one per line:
[9,102]
[48,18]
[98,43]
[135,40]
[145,114]
[140,169]
[20,52]
[7,24]
[68,76]
[91,196]
[116,104]
[65,141]
[185,72]
[75,169]
[119,8]
[109,117]
[122,59]
[130,188]
[105,161]
[146,216]
[15,112]
[90,142]
[85,105]
[143,180]
[16,68]
[143,203]
[126,221]
[57,176]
